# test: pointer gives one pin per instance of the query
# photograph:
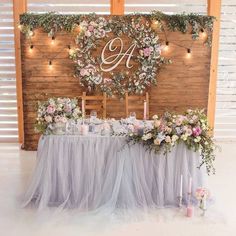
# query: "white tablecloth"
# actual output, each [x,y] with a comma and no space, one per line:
[91,172]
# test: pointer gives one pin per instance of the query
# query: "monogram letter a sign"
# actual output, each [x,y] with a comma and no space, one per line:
[115,59]
[108,50]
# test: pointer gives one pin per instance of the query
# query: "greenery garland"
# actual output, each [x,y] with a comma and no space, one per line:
[192,129]
[94,29]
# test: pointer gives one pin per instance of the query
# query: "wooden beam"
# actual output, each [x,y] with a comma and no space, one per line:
[19,7]
[214,9]
[117,7]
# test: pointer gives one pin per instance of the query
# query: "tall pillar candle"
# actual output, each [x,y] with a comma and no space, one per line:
[145,110]
[83,108]
[190,185]
[181,186]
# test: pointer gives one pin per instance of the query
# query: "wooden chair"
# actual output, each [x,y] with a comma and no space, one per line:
[135,103]
[96,102]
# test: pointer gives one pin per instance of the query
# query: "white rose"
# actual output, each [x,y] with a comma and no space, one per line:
[155,117]
[174,138]
[48,119]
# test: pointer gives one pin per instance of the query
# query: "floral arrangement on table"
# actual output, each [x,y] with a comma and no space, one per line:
[93,30]
[191,128]
[56,111]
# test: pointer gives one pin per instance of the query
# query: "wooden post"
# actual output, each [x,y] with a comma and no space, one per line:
[117,7]
[19,7]
[214,9]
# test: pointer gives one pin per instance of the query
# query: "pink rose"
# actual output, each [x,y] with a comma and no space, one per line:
[83,72]
[87,33]
[90,28]
[63,119]
[189,132]
[147,52]
[107,80]
[67,108]
[50,109]
[57,119]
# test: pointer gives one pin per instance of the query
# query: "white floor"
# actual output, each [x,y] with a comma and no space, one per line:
[16,167]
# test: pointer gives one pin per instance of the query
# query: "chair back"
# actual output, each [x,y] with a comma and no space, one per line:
[135,103]
[95,102]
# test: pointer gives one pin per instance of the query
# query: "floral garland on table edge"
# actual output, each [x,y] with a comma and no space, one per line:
[56,110]
[191,128]
[94,29]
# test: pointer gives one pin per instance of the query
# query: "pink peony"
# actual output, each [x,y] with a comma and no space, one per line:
[147,52]
[51,109]
[197,131]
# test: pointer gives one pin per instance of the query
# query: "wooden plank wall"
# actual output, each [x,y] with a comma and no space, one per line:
[181,85]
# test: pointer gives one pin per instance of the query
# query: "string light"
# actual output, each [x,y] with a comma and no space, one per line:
[188,52]
[31,33]
[50,64]
[167,46]
[203,33]
[31,47]
[20,27]
[53,40]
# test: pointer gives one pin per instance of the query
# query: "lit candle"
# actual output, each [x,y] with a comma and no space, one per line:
[190,185]
[181,186]
[145,110]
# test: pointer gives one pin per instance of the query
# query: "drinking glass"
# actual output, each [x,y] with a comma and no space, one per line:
[132,116]
[93,116]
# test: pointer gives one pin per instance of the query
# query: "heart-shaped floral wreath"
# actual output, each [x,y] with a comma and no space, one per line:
[93,31]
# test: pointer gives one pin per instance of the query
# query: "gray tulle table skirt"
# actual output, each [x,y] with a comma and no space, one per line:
[89,172]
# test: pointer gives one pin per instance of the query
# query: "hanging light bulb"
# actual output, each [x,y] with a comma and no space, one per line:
[53,40]
[31,47]
[203,33]
[188,52]
[20,27]
[166,48]
[50,64]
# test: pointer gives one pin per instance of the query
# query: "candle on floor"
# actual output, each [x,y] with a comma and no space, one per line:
[181,186]
[145,110]
[190,211]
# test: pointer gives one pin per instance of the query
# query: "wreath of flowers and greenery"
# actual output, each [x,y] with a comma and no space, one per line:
[94,30]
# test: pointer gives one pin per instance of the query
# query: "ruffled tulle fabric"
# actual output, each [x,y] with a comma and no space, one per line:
[90,173]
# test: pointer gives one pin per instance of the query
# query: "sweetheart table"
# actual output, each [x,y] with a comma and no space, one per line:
[89,172]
